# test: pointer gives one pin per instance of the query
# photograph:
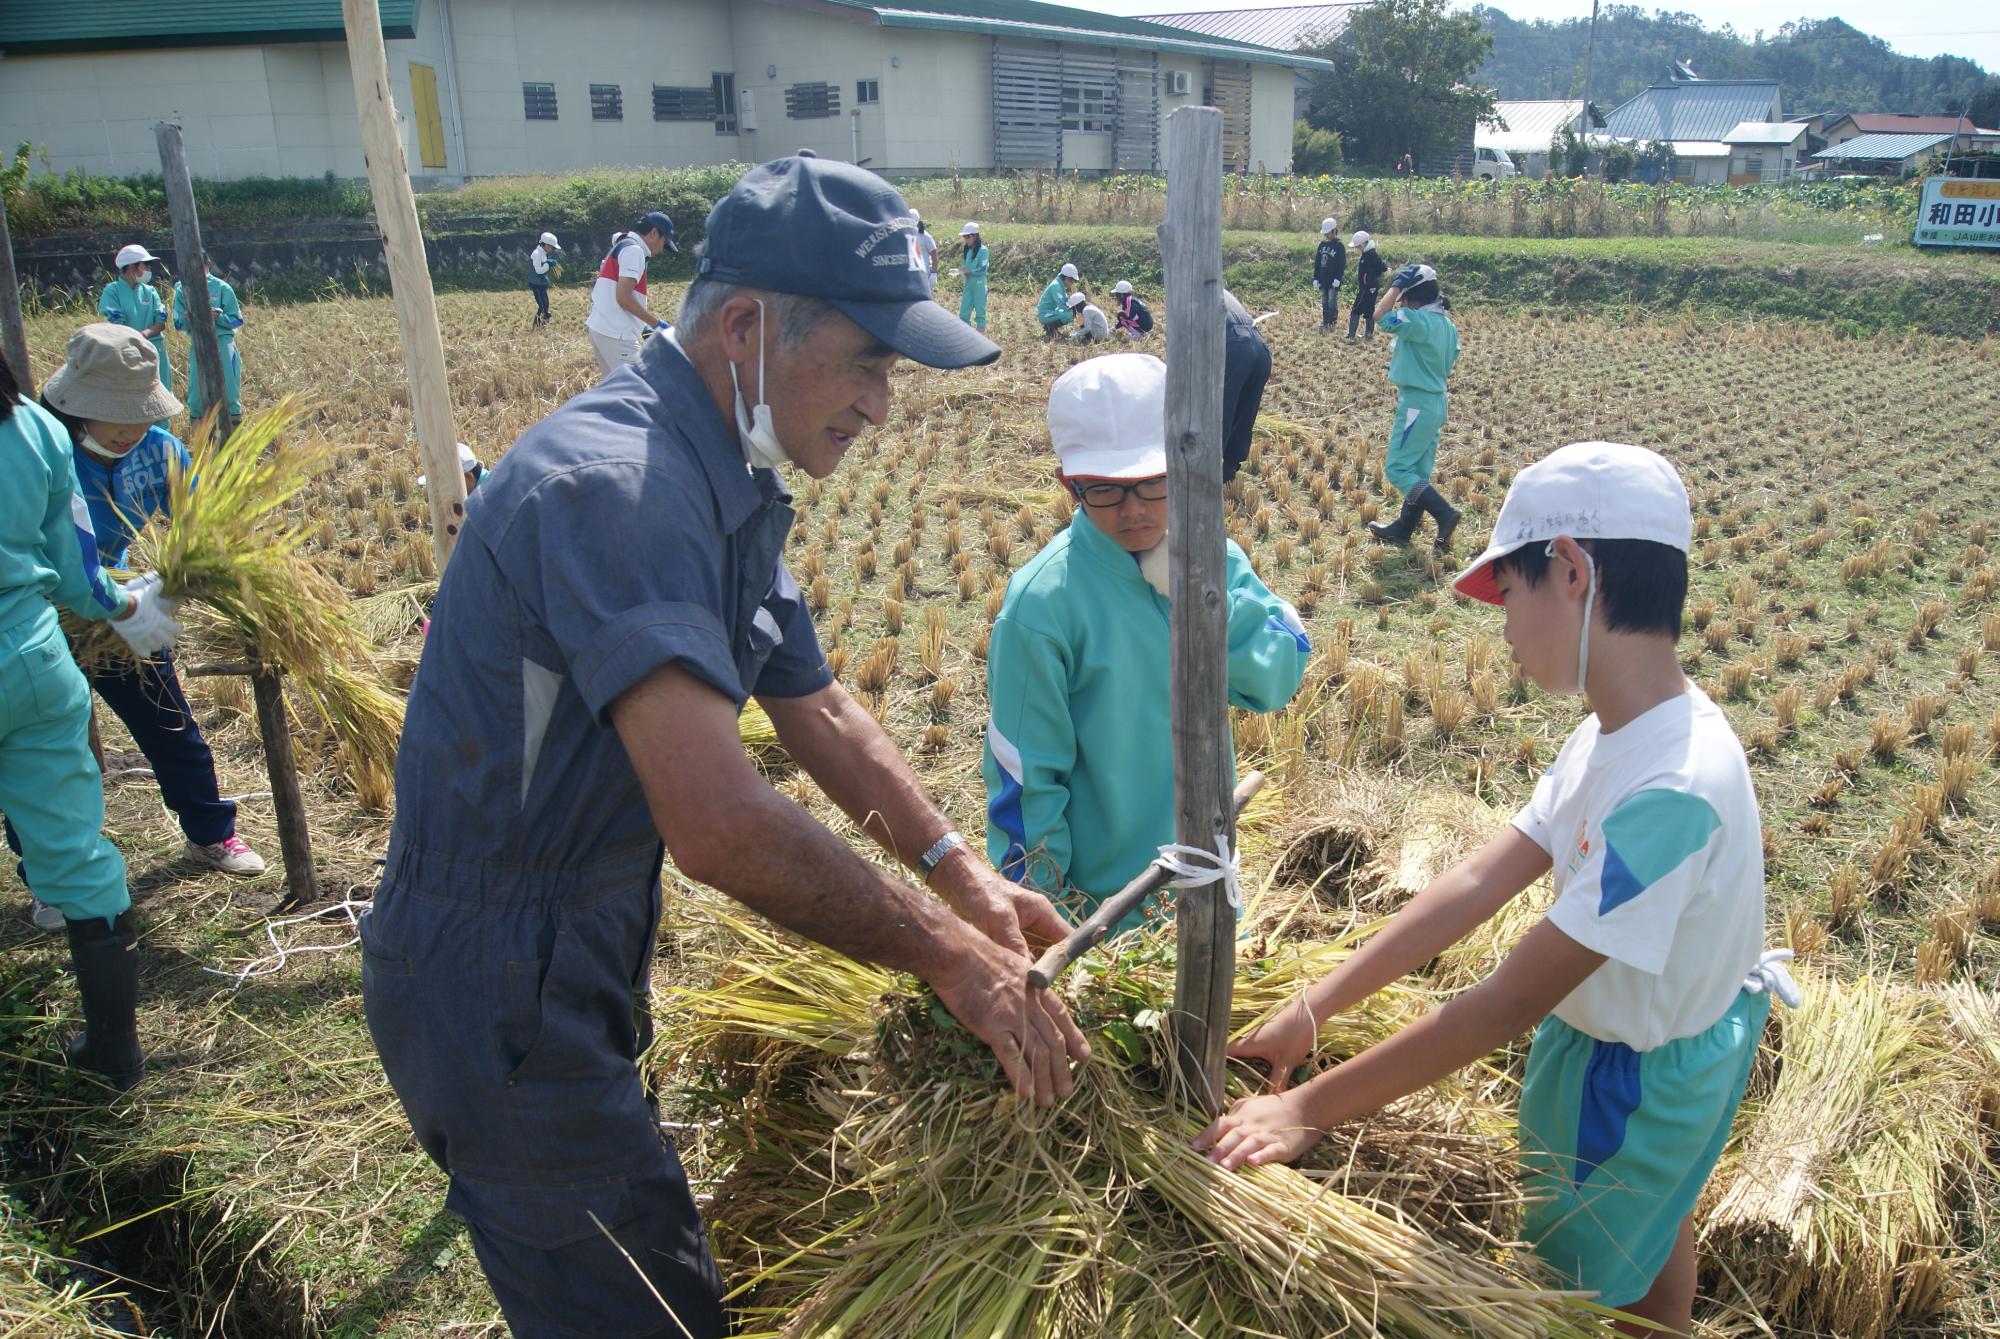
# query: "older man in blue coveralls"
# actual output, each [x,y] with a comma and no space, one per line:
[616,596]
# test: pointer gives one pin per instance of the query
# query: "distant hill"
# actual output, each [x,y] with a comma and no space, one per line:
[1823,64]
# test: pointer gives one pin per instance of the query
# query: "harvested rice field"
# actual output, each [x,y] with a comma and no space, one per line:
[1844,610]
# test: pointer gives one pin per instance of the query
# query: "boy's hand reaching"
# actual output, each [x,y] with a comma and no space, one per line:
[1283,1043]
[1257,1130]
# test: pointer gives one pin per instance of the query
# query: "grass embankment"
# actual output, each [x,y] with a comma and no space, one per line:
[1843,611]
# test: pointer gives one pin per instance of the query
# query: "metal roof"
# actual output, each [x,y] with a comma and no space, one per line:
[1059,23]
[1693,109]
[1884,148]
[1284,28]
[1530,126]
[1766,132]
[1898,123]
[31,26]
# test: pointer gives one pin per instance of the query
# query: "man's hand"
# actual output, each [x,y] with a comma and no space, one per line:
[1283,1043]
[1030,1032]
[1012,915]
[1257,1130]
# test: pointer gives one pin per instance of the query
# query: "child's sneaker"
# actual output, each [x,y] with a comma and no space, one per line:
[43,915]
[231,855]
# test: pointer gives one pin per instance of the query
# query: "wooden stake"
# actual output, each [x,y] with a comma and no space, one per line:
[192,262]
[294,838]
[1191,247]
[13,335]
[409,272]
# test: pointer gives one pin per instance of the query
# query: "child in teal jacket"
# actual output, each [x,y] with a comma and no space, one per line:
[1079,761]
[1426,346]
[228,320]
[972,302]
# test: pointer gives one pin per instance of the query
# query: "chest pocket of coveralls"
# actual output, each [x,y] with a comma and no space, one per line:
[755,633]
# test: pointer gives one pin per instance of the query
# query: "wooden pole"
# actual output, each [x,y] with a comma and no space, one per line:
[13,335]
[409,272]
[192,262]
[294,838]
[1191,247]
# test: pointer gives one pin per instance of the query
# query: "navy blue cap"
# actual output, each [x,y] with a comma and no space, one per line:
[658,222]
[818,228]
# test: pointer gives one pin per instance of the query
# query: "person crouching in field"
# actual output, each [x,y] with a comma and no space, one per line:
[1078,760]
[1053,309]
[1135,318]
[1646,975]
[123,467]
[1091,327]
[1426,347]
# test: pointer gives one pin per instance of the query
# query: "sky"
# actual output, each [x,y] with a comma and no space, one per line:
[1969,28]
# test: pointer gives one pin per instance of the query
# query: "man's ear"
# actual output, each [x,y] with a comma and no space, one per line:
[736,320]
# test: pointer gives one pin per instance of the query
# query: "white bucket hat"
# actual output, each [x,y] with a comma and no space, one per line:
[549,239]
[1586,490]
[111,373]
[969,230]
[467,463]
[133,255]
[1121,288]
[1068,272]
[1108,417]
[1328,224]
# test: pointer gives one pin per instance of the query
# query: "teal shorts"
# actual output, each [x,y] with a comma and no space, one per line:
[1413,439]
[1618,1144]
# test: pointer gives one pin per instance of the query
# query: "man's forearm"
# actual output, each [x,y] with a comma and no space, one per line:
[629,300]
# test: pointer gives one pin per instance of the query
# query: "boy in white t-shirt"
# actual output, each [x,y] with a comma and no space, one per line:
[1646,978]
[618,311]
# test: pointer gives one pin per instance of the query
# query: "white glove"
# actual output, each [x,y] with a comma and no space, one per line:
[1770,974]
[150,627]
[957,273]
[1315,285]
[1153,565]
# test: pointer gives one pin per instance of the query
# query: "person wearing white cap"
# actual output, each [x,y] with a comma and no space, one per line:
[131,300]
[1135,318]
[973,266]
[50,788]
[544,265]
[102,395]
[1078,761]
[1369,267]
[1053,309]
[1646,983]
[467,461]
[926,244]
[1426,347]
[1091,325]
[1329,267]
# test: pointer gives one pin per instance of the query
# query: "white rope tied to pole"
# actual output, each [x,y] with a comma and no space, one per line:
[1770,974]
[1193,867]
[274,961]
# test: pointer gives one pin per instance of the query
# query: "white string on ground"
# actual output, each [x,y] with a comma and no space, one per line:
[274,961]
[1192,867]
[128,771]
[248,795]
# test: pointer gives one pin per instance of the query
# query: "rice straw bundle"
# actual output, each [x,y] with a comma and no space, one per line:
[880,1182]
[231,541]
[1834,1201]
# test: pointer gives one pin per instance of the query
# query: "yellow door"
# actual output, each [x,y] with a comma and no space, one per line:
[430,125]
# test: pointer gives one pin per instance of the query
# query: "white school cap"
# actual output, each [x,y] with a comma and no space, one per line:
[1108,417]
[1586,490]
[1328,224]
[1121,288]
[969,230]
[133,255]
[467,463]
[549,239]
[1068,272]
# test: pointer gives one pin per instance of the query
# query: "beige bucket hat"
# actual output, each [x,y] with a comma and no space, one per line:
[111,373]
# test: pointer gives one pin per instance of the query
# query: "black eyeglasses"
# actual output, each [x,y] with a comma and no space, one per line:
[1106,494]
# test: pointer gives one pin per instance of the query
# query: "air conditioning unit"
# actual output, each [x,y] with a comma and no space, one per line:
[1179,83]
[748,121]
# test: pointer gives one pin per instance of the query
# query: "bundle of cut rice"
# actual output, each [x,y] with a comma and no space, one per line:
[1835,1199]
[879,1182]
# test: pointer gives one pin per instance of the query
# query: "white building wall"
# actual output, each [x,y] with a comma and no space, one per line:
[777,47]
[501,44]
[937,100]
[1271,118]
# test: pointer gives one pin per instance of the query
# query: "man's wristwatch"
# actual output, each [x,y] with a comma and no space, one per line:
[939,849]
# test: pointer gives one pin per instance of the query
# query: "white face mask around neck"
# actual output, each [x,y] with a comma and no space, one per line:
[101,451]
[753,425]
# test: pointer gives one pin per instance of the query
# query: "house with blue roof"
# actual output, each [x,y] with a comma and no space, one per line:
[489,87]
[1696,116]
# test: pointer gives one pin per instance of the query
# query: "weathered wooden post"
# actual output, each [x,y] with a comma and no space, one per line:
[192,262]
[1191,246]
[13,335]
[409,272]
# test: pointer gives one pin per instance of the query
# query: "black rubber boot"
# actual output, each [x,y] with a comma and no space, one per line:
[1442,512]
[107,976]
[1398,530]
